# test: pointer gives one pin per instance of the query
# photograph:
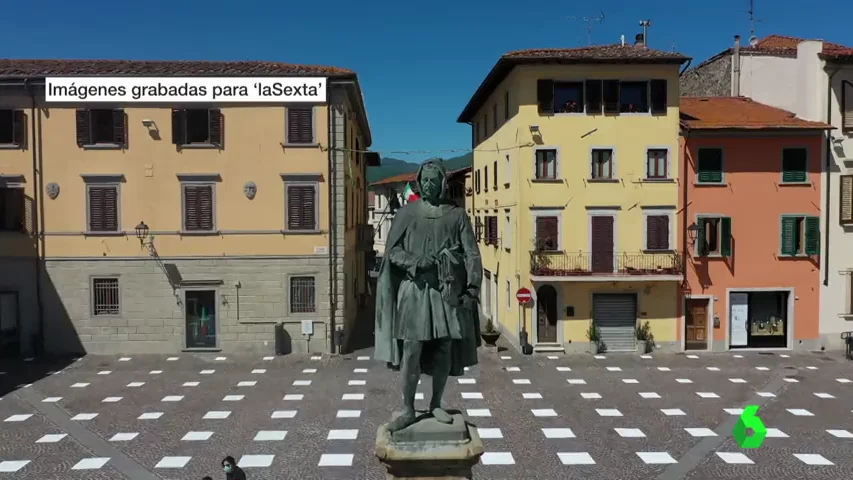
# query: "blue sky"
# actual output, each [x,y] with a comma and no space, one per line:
[419,62]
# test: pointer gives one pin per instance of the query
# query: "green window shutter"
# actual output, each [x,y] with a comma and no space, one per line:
[700,239]
[726,236]
[793,176]
[812,235]
[787,231]
[794,165]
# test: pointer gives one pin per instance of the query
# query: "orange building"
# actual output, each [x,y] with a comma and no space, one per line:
[751,200]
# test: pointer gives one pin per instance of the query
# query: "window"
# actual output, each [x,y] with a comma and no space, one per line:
[506,105]
[547,233]
[794,165]
[13,127]
[101,127]
[301,207]
[715,236]
[546,164]
[657,231]
[602,164]
[300,125]
[658,96]
[656,163]
[492,230]
[303,295]
[486,178]
[12,205]
[849,311]
[198,127]
[634,97]
[507,170]
[495,175]
[507,239]
[105,296]
[568,97]
[846,106]
[198,207]
[594,100]
[845,207]
[495,117]
[508,295]
[477,181]
[709,165]
[102,208]
[800,236]
[478,228]
[610,94]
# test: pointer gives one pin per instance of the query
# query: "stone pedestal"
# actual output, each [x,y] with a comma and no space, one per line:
[430,450]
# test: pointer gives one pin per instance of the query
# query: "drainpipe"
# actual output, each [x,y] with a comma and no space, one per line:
[332,226]
[827,175]
[37,188]
[736,68]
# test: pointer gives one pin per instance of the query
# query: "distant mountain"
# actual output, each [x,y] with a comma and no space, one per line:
[395,166]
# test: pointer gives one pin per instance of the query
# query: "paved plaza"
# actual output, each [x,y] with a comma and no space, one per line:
[315,417]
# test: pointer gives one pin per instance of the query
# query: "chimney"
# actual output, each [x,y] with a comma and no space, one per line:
[623,40]
[736,67]
[640,41]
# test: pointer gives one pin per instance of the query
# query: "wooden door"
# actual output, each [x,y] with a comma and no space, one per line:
[546,314]
[602,243]
[696,323]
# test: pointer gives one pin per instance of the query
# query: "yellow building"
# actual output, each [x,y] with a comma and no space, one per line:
[574,194]
[143,228]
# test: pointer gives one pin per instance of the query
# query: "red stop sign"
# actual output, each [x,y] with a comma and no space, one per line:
[523,296]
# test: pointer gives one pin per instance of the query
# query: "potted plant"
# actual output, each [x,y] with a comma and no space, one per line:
[644,336]
[489,334]
[593,334]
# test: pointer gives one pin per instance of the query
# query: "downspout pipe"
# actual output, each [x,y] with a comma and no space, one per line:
[827,175]
[36,217]
[332,225]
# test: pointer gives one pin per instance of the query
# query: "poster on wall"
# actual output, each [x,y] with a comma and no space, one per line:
[739,305]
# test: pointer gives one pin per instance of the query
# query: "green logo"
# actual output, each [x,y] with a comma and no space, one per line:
[749,420]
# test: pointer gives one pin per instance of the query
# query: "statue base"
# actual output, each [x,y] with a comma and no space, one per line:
[429,449]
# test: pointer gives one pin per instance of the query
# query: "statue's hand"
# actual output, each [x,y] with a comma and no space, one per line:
[468,302]
[426,263]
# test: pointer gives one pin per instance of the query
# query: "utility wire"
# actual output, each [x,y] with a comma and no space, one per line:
[422,152]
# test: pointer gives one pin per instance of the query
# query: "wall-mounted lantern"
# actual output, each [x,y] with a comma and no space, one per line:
[141,232]
[692,232]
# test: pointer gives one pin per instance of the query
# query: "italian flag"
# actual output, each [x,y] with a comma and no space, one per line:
[409,194]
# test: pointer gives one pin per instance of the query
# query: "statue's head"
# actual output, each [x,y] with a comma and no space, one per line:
[432,181]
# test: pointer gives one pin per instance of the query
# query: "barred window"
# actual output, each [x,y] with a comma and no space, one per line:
[105,296]
[302,295]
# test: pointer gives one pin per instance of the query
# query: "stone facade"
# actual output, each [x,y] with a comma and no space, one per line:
[709,79]
[253,295]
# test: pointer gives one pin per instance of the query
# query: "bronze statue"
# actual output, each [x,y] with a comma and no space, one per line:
[427,297]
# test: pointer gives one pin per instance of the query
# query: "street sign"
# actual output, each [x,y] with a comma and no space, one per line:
[523,296]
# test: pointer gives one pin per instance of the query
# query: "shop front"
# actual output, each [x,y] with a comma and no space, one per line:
[760,318]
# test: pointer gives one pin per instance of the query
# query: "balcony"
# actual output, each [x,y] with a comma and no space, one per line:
[364,242]
[621,266]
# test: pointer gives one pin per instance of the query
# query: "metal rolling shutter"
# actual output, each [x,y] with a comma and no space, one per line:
[616,316]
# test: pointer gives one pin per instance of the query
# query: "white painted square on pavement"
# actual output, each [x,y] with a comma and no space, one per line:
[521,381]
[479,412]
[52,438]
[315,357]
[700,432]
[191,384]
[812,459]
[776,433]
[84,416]
[150,416]
[197,436]
[656,458]
[558,433]
[247,383]
[259,370]
[353,383]
[217,415]
[840,433]
[489,433]
[800,412]
[309,370]
[810,367]
[472,396]
[18,418]
[553,357]
[349,414]
[513,369]
[124,437]
[823,395]
[124,359]
[111,400]
[531,396]
[646,357]
[591,395]
[207,372]
[363,358]
[293,396]
[763,369]
[713,369]
[649,395]
[576,381]
[630,432]
[135,384]
[172,359]
[466,381]
[707,394]
[630,380]
[564,369]
[693,356]
[335,460]
[544,412]
[345,434]
[80,385]
[173,462]
[737,458]
[155,372]
[90,464]
[105,372]
[765,394]
[843,380]
[664,369]
[301,383]
[270,435]
[221,359]
[791,380]
[173,398]
[497,458]
[737,380]
[575,458]
[672,412]
[359,370]
[282,414]
[255,461]
[608,412]
[233,398]
[506,357]
[51,399]
[12,466]
[599,357]
[352,396]
[683,380]
[733,411]
[614,369]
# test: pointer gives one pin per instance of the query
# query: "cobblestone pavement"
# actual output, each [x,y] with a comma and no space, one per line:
[541,417]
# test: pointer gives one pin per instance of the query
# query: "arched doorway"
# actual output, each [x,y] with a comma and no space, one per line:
[546,314]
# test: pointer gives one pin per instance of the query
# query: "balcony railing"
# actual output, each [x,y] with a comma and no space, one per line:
[621,264]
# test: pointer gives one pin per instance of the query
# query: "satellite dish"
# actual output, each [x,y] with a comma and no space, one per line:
[753,41]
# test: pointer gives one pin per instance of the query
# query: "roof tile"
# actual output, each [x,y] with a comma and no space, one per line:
[739,113]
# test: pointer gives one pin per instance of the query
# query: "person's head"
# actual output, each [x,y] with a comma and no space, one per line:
[432,180]
[228,464]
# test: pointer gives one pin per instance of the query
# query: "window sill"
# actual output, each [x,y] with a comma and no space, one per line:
[846,316]
[602,180]
[103,234]
[202,233]
[547,180]
[799,256]
[199,146]
[201,349]
[299,145]
[710,184]
[302,232]
[713,256]
[667,250]
[103,146]
[658,180]
[568,114]
[794,184]
[11,146]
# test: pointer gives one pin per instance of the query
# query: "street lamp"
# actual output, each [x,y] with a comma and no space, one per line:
[141,232]
[693,232]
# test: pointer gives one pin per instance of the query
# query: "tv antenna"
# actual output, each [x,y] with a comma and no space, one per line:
[590,22]
[752,21]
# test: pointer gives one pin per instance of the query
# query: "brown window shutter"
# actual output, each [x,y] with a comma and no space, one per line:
[610,94]
[547,233]
[845,206]
[301,208]
[12,203]
[96,209]
[111,209]
[657,232]
[593,97]
[194,207]
[658,96]
[119,127]
[83,131]
[300,125]
[217,126]
[545,96]
[205,201]
[179,131]
[493,222]
[847,107]
[495,174]
[19,119]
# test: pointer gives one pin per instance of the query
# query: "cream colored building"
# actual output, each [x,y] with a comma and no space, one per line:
[145,228]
